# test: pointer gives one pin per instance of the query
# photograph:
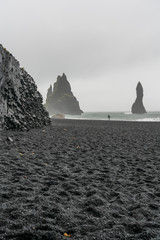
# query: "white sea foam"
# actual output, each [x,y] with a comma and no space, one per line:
[148,120]
[127,113]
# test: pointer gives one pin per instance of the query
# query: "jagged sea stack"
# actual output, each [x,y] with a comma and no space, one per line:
[21,105]
[137,106]
[61,99]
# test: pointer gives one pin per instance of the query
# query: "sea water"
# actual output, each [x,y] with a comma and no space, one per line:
[118,116]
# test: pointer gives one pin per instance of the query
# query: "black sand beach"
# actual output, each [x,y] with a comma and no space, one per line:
[81,180]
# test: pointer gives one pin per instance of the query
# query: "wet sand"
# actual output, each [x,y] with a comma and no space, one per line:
[81,180]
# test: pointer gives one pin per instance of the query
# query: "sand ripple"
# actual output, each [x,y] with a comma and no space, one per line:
[91,180]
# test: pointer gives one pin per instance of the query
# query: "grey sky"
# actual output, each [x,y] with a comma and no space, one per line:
[103,46]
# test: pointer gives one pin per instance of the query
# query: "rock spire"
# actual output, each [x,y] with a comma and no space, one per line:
[138,106]
[61,99]
[21,105]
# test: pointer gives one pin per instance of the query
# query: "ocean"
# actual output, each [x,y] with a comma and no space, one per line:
[118,116]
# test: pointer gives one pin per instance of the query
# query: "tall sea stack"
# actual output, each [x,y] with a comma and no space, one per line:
[21,105]
[61,99]
[137,106]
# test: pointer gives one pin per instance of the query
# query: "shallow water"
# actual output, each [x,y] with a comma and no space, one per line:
[119,116]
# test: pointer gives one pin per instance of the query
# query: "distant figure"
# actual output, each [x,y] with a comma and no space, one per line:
[109,117]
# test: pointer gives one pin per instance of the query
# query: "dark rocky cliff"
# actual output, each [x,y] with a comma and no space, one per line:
[61,99]
[137,106]
[21,105]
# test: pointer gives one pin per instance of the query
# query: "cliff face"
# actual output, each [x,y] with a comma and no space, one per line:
[20,103]
[61,99]
[137,106]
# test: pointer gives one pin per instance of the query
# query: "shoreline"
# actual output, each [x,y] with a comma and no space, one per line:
[104,120]
[118,116]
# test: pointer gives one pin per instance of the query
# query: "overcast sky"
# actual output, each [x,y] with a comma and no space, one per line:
[103,46]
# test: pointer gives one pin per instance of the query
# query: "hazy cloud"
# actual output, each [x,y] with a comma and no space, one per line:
[104,46]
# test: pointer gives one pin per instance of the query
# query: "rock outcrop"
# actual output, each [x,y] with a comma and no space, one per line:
[137,106]
[21,105]
[61,99]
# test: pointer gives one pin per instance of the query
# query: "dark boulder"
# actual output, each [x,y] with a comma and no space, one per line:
[61,99]
[138,106]
[21,105]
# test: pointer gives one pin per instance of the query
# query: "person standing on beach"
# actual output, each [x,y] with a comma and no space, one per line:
[109,117]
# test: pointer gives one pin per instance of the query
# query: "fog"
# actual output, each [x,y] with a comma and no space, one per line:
[105,47]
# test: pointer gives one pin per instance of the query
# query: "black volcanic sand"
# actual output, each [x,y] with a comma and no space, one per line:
[88,179]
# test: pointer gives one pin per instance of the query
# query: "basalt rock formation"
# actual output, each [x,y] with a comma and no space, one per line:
[137,106]
[61,99]
[21,105]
